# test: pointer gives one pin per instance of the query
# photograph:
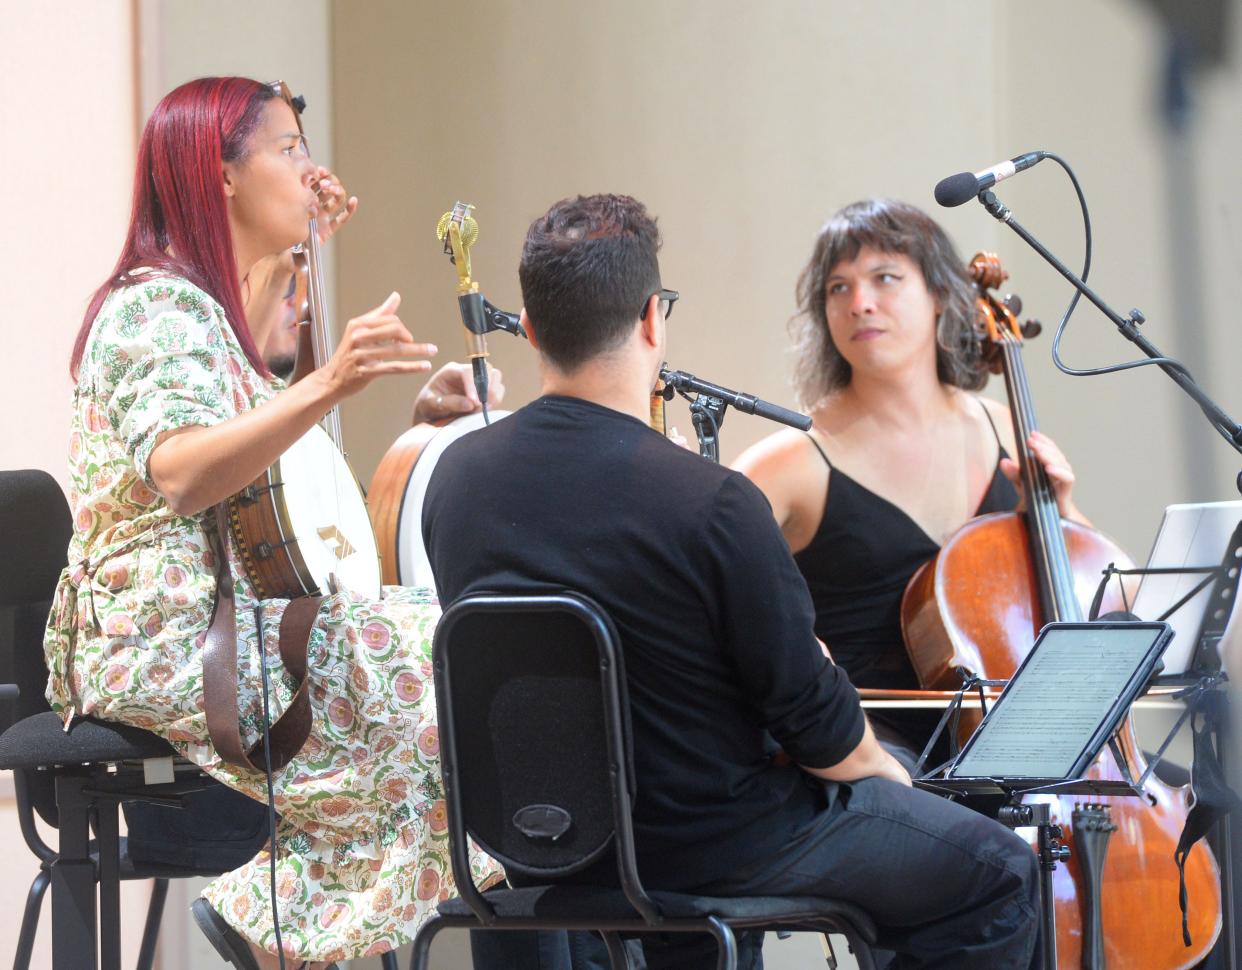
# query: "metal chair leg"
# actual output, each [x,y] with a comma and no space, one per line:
[861,951]
[422,942]
[30,920]
[108,845]
[73,880]
[151,931]
[725,942]
[618,958]
[389,961]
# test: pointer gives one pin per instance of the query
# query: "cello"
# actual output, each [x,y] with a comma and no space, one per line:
[975,610]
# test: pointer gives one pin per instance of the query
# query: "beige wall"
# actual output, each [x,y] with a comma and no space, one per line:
[743,126]
[67,120]
[1137,443]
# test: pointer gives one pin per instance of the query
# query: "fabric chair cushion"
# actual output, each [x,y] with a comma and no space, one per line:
[36,524]
[41,741]
[534,734]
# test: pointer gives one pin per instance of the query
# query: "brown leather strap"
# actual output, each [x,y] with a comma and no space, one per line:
[292,728]
[220,686]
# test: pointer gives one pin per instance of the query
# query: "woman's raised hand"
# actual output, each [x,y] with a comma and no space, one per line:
[372,345]
[336,207]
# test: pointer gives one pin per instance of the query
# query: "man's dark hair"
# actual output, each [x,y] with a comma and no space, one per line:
[587,267]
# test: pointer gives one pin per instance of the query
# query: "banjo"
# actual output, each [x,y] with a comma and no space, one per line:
[302,527]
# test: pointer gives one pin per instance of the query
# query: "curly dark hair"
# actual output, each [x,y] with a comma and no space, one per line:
[588,266]
[887,226]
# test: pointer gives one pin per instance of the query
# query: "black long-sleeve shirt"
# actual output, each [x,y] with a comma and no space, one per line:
[714,618]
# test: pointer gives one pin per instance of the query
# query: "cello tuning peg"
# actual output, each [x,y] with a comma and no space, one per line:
[1013,303]
[1032,328]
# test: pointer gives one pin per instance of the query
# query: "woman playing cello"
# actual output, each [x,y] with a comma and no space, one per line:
[900,457]
[901,453]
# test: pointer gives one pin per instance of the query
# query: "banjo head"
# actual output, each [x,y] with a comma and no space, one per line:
[413,567]
[322,510]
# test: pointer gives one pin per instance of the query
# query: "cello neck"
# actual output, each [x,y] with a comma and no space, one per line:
[1057,597]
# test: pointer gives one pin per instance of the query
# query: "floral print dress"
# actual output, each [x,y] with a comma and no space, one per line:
[363,853]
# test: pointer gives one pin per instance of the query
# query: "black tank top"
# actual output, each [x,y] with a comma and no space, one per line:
[857,567]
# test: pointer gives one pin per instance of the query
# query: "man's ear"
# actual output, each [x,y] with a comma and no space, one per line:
[648,324]
[525,324]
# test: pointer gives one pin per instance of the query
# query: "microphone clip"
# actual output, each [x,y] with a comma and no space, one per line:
[480,316]
[994,206]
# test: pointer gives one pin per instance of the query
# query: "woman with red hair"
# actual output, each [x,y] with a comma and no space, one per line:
[174,412]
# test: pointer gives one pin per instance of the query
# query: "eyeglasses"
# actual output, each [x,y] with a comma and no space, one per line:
[297,103]
[667,299]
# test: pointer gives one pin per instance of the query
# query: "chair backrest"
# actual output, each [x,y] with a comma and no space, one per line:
[35,527]
[534,735]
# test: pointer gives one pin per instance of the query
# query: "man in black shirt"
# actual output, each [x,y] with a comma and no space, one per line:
[574,491]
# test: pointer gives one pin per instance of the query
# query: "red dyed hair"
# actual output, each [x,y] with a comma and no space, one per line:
[179,223]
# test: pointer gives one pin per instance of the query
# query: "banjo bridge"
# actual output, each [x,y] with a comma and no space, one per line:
[334,539]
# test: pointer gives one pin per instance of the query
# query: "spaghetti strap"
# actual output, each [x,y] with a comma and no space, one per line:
[996,434]
[819,449]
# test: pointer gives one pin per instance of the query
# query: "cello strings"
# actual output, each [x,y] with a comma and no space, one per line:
[1041,498]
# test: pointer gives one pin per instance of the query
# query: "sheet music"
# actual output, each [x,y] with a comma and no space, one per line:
[1194,535]
[1060,698]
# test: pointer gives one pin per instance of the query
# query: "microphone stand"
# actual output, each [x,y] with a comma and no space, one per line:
[1229,429]
[707,408]
[707,405]
[1127,326]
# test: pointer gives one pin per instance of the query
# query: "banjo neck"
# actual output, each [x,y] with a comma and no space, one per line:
[322,343]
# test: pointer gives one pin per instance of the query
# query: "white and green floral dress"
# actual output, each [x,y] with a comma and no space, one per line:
[363,846]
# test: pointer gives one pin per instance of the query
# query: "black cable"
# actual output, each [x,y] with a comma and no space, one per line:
[271,788]
[478,366]
[1073,303]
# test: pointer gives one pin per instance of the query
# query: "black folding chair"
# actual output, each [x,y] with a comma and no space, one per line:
[535,742]
[76,779]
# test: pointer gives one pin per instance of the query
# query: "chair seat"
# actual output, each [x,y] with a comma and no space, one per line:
[41,740]
[574,903]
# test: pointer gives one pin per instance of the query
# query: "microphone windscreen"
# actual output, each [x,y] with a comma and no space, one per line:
[957,189]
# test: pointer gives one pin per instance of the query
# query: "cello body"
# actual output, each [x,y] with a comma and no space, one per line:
[975,607]
[395,498]
[975,610]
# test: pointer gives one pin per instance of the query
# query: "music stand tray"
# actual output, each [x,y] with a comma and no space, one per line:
[1062,705]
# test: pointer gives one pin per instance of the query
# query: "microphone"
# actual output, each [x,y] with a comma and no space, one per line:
[458,230]
[964,186]
[746,403]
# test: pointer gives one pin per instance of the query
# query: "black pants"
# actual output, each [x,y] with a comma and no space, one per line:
[947,887]
[218,829]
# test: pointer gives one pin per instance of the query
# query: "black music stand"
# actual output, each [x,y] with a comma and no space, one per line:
[1006,757]
[1203,692]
